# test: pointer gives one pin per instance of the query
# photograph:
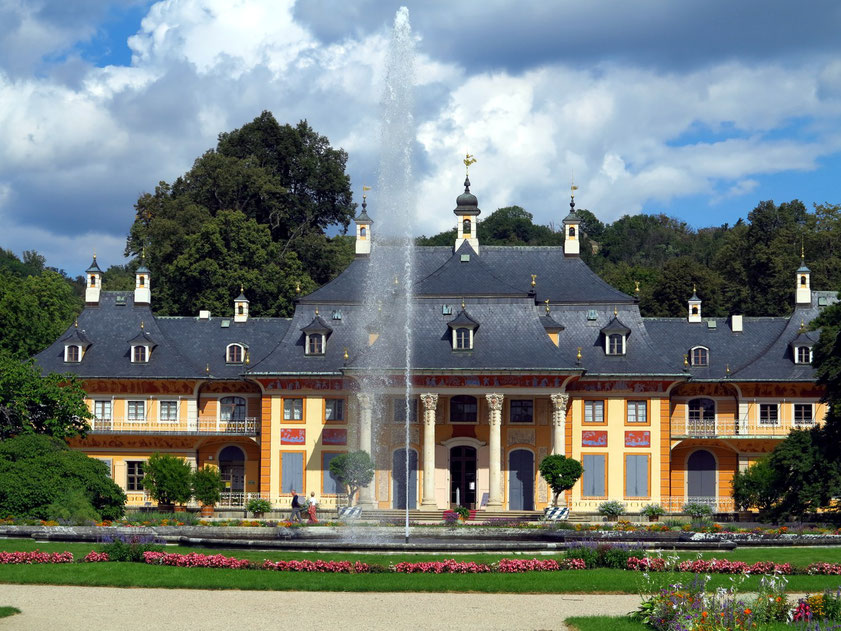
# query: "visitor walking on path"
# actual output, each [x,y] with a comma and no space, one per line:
[312,504]
[296,507]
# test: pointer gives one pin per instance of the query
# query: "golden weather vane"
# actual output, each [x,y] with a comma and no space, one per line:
[468,160]
[572,186]
[365,190]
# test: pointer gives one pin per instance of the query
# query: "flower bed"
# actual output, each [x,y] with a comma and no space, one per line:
[719,566]
[96,557]
[341,567]
[194,559]
[29,558]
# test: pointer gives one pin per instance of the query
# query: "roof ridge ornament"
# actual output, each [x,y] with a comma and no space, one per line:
[469,159]
[546,302]
[533,281]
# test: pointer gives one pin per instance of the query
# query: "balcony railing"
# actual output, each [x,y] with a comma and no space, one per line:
[736,429]
[249,426]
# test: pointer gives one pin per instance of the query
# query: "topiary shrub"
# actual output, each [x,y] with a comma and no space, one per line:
[37,471]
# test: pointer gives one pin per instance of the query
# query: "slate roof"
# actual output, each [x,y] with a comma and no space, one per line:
[465,274]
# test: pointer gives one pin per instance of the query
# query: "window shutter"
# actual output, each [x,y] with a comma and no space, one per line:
[292,472]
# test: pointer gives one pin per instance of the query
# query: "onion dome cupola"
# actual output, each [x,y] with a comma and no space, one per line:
[803,293]
[94,283]
[615,336]
[142,346]
[463,329]
[315,334]
[694,305]
[363,227]
[142,284]
[467,211]
[241,306]
[572,227]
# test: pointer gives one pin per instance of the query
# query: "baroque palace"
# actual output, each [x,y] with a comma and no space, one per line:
[517,353]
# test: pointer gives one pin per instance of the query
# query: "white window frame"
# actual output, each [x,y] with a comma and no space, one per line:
[283,409]
[797,350]
[706,357]
[457,339]
[635,404]
[103,402]
[590,410]
[343,405]
[803,423]
[608,346]
[129,418]
[228,351]
[67,359]
[769,407]
[146,354]
[161,409]
[311,338]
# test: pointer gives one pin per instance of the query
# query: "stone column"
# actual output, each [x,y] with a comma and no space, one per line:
[429,402]
[559,417]
[366,494]
[495,450]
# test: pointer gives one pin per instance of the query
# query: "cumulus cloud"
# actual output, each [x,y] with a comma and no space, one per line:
[645,104]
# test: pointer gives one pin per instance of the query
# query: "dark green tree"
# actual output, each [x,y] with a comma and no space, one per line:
[208,485]
[674,288]
[37,472]
[561,473]
[30,403]
[755,487]
[168,479]
[353,470]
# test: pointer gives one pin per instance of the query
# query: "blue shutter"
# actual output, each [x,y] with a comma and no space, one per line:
[292,472]
[594,475]
[636,476]
[329,485]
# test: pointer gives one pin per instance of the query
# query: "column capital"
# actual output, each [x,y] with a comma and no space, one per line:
[365,400]
[495,401]
[429,400]
[559,401]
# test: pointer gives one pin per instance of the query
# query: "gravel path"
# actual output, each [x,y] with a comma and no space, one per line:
[46,607]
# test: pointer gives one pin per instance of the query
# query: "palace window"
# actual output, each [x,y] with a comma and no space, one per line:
[700,356]
[102,410]
[169,411]
[803,414]
[594,477]
[636,475]
[463,409]
[136,411]
[637,412]
[232,409]
[334,410]
[293,409]
[803,355]
[139,354]
[701,410]
[72,354]
[315,344]
[522,411]
[134,475]
[615,344]
[399,406]
[594,411]
[464,339]
[235,352]
[769,413]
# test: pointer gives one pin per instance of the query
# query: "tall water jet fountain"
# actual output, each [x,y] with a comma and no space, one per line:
[388,301]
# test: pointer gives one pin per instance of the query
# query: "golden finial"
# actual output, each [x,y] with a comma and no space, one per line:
[694,289]
[316,311]
[396,281]
[141,325]
[572,186]
[802,249]
[298,287]
[578,355]
[207,369]
[615,311]
[727,369]
[94,254]
[802,325]
[462,303]
[241,289]
[468,160]
[379,307]
[365,190]
[247,357]
[546,302]
[76,323]
[636,287]
[533,280]
[346,355]
[686,361]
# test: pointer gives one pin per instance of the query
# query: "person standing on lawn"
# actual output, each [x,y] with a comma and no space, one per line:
[296,507]
[312,504]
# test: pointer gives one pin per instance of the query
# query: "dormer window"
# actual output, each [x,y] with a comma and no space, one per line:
[463,339]
[802,355]
[235,354]
[139,354]
[700,356]
[72,354]
[615,336]
[315,344]
[615,344]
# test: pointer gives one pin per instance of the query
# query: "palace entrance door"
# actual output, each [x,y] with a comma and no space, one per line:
[463,476]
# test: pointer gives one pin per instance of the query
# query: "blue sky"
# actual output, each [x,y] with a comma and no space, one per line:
[695,109]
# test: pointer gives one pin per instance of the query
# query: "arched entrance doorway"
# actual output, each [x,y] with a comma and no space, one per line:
[700,474]
[398,479]
[232,470]
[463,476]
[521,480]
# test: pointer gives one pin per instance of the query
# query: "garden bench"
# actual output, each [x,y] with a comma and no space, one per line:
[556,514]
[350,513]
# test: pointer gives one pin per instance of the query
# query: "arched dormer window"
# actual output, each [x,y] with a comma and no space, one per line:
[315,336]
[235,353]
[802,355]
[463,339]
[72,354]
[463,409]
[699,356]
[139,354]
[615,336]
[466,226]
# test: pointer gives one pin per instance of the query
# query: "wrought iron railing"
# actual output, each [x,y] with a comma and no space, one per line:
[736,429]
[249,426]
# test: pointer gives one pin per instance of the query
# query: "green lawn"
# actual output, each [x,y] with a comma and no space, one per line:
[586,581]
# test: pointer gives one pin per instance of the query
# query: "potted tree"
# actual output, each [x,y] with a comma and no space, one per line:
[612,509]
[168,480]
[207,488]
[653,511]
[561,474]
[258,507]
[353,470]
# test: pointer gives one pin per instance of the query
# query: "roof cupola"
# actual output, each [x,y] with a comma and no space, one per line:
[363,227]
[803,293]
[142,282]
[94,283]
[694,303]
[467,211]
[241,306]
[572,227]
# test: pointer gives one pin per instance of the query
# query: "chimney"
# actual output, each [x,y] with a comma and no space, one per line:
[736,324]
[204,314]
